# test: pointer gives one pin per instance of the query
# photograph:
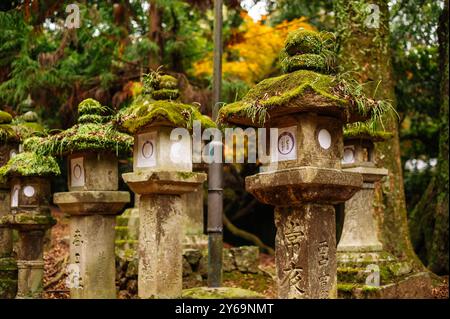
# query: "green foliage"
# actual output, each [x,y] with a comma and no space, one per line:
[30,164]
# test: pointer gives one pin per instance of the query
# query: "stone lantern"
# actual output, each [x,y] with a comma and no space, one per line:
[28,174]
[304,180]
[162,172]
[9,146]
[92,148]
[360,231]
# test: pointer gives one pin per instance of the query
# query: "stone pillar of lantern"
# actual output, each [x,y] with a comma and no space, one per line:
[30,215]
[9,146]
[194,219]
[360,230]
[92,148]
[162,172]
[304,178]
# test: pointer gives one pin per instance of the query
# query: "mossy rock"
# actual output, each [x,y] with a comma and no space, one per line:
[314,62]
[144,111]
[5,117]
[30,164]
[220,293]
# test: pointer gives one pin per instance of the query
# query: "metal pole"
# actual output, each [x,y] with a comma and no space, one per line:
[215,173]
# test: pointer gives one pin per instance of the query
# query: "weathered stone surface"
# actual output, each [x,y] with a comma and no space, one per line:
[303,184]
[228,263]
[100,171]
[246,258]
[220,293]
[360,231]
[8,278]
[163,182]
[417,286]
[305,248]
[160,246]
[30,264]
[92,257]
[91,202]
[8,267]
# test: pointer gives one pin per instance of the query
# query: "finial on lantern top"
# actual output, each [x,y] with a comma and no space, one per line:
[91,111]
[161,87]
[309,50]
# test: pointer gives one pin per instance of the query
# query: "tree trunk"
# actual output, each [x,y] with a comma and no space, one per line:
[438,256]
[155,34]
[363,35]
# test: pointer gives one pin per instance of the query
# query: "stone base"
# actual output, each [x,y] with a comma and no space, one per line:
[416,286]
[195,241]
[396,279]
[244,259]
[8,278]
[220,293]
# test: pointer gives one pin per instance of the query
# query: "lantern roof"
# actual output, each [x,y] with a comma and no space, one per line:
[7,132]
[30,164]
[159,105]
[94,132]
[365,131]
[310,84]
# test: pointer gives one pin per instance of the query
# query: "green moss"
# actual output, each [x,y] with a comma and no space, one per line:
[303,41]
[92,118]
[313,62]
[86,137]
[30,116]
[220,293]
[5,117]
[92,107]
[30,164]
[185,175]
[29,219]
[168,82]
[364,130]
[165,94]
[8,134]
[281,91]
[345,287]
[144,111]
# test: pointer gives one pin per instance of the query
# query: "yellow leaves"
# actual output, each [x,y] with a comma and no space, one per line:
[252,55]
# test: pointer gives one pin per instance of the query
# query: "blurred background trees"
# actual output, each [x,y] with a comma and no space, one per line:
[119,40]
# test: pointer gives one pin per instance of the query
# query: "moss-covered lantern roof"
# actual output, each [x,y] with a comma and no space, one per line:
[158,105]
[29,163]
[7,132]
[365,131]
[308,85]
[93,132]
